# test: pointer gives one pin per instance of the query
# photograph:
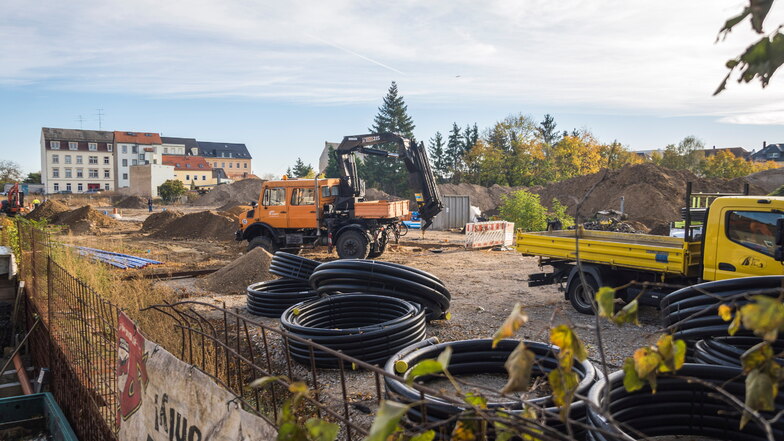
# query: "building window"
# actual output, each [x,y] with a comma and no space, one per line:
[188,165]
[165,150]
[141,156]
[92,146]
[203,177]
[73,146]
[92,159]
[106,186]
[55,159]
[68,187]
[67,159]
[56,186]
[68,174]
[79,173]
[246,165]
[54,145]
[79,159]
[238,165]
[231,165]
[201,165]
[773,155]
[125,149]
[187,177]
[92,173]
[106,174]
[223,165]
[135,162]
[108,147]
[125,175]
[135,149]
[79,187]
[55,172]
[105,160]
[215,164]
[125,163]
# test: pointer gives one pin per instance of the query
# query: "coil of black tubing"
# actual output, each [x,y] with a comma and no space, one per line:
[386,279]
[678,407]
[726,351]
[478,357]
[271,298]
[292,266]
[693,315]
[364,326]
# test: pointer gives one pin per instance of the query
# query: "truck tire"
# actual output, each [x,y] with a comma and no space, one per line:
[352,244]
[263,242]
[581,298]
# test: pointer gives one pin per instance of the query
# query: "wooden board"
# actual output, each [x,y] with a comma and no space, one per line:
[381,209]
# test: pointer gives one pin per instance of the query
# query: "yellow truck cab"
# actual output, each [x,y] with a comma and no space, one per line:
[741,236]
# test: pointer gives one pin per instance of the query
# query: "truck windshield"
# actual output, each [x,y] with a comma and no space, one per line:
[753,229]
[274,196]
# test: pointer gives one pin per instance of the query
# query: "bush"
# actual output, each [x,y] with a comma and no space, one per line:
[171,190]
[525,210]
[558,211]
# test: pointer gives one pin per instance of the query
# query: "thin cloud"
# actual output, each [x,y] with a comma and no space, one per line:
[337,46]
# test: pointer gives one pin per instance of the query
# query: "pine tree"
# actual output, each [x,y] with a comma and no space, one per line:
[438,157]
[454,152]
[300,170]
[470,138]
[383,173]
[547,130]
[332,170]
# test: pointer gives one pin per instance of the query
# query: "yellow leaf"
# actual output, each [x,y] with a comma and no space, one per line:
[516,319]
[605,300]
[571,347]
[519,365]
[646,361]
[627,314]
[735,325]
[564,384]
[725,312]
[464,431]
[298,387]
[765,317]
[756,356]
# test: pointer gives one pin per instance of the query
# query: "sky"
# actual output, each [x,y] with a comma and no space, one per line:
[284,77]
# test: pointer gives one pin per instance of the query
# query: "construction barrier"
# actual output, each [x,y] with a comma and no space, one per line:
[489,234]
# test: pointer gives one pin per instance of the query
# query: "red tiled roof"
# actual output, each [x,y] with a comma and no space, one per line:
[137,137]
[186,162]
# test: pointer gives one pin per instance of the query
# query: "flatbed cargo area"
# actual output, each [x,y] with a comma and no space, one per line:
[621,238]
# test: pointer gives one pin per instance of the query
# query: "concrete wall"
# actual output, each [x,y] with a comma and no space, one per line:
[145,179]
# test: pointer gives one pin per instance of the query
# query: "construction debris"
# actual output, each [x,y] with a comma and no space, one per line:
[235,277]
[117,260]
[204,225]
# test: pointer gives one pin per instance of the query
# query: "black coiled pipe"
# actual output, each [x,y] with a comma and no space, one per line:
[271,298]
[726,351]
[478,357]
[292,266]
[678,407]
[385,279]
[364,326]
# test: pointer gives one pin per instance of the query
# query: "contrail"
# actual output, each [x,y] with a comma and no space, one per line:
[337,46]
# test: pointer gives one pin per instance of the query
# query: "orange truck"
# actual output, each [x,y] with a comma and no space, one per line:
[292,214]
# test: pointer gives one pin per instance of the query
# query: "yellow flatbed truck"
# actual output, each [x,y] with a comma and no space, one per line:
[742,236]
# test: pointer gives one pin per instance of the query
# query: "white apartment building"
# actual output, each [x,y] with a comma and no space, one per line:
[133,148]
[77,161]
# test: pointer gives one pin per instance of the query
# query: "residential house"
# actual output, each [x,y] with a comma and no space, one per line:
[133,148]
[77,160]
[769,152]
[234,159]
[739,152]
[179,146]
[192,171]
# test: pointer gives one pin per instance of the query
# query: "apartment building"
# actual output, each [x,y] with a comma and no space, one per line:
[192,171]
[77,161]
[179,146]
[234,159]
[133,148]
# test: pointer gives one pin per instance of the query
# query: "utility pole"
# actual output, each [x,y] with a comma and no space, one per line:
[100,119]
[81,122]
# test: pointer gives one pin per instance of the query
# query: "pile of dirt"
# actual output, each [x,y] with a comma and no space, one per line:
[767,180]
[486,198]
[201,225]
[131,202]
[652,195]
[158,220]
[83,220]
[48,210]
[374,194]
[229,205]
[235,211]
[244,191]
[236,276]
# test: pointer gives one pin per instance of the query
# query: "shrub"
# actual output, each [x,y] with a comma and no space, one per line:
[171,190]
[525,210]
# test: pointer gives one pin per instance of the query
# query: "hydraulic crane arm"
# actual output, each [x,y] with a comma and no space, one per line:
[420,175]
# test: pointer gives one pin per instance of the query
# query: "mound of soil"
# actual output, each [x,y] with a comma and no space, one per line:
[767,180]
[83,220]
[131,202]
[48,210]
[244,191]
[201,225]
[236,276]
[486,198]
[229,205]
[235,211]
[159,220]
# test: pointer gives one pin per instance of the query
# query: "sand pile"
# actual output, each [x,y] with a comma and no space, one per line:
[131,202]
[49,209]
[767,180]
[235,211]
[653,195]
[201,225]
[236,276]
[83,220]
[160,219]
[244,191]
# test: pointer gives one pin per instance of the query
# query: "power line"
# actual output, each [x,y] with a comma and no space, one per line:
[100,118]
[81,122]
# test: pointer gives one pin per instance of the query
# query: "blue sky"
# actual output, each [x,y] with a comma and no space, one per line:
[283,77]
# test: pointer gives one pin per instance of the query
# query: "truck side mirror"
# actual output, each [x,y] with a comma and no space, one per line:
[778,254]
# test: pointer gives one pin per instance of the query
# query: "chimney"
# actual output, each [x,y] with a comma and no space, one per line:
[714,147]
[764,144]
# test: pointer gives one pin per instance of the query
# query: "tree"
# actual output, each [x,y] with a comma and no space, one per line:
[470,138]
[301,170]
[438,157]
[170,190]
[454,152]
[332,170]
[547,130]
[525,210]
[615,156]
[687,155]
[33,178]
[392,117]
[10,171]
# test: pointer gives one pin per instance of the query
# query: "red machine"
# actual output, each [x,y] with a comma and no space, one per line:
[15,202]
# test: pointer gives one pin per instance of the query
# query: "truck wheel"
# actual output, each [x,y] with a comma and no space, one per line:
[580,297]
[264,242]
[352,244]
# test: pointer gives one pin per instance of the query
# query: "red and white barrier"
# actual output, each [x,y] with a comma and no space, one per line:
[489,234]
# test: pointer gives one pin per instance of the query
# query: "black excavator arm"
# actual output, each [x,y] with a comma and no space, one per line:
[420,175]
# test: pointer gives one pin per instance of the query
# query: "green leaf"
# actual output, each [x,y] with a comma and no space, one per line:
[765,317]
[605,300]
[476,400]
[564,384]
[444,357]
[387,418]
[424,436]
[756,356]
[424,367]
[518,366]
[631,381]
[628,314]
[290,431]
[320,430]
[263,381]
[516,319]
[761,391]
